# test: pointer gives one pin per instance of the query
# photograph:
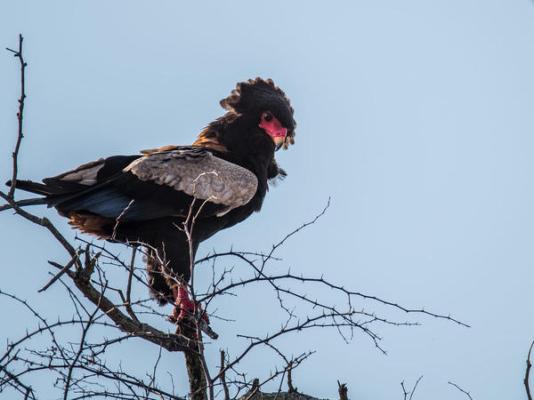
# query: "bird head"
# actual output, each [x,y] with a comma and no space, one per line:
[267,105]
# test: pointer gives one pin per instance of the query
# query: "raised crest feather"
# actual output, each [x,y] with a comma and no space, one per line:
[247,97]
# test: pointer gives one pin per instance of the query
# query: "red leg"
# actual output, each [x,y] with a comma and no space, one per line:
[183,305]
[185,309]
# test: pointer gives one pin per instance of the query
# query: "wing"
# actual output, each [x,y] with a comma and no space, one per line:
[161,184]
[198,173]
[87,175]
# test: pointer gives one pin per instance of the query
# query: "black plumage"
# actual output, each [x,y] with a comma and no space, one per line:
[143,198]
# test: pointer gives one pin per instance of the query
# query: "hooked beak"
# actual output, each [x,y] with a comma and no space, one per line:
[276,131]
[278,142]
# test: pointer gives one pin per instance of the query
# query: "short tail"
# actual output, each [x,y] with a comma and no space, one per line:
[36,187]
[30,186]
[27,202]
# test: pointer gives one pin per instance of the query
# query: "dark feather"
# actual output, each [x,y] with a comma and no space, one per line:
[145,198]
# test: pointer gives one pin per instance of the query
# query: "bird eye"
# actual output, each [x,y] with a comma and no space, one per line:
[267,116]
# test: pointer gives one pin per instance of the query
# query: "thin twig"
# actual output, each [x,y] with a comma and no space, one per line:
[60,273]
[24,203]
[415,386]
[191,358]
[406,392]
[290,387]
[527,373]
[128,302]
[80,351]
[462,390]
[20,115]
[42,221]
[223,377]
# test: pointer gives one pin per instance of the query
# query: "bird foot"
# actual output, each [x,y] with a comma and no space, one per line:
[184,307]
[186,311]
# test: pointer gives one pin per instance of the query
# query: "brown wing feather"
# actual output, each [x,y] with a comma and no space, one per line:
[209,139]
[90,223]
[168,147]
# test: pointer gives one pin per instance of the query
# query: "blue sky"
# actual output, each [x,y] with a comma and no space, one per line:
[415,117]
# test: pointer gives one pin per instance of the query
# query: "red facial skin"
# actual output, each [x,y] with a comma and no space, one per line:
[270,124]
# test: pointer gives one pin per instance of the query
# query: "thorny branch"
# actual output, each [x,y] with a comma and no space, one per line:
[20,114]
[223,376]
[85,330]
[82,368]
[200,381]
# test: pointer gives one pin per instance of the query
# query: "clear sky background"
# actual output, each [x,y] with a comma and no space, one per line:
[414,116]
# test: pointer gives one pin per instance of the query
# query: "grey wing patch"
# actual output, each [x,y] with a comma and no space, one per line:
[199,174]
[85,174]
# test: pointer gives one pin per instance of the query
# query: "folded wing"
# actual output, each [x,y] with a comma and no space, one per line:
[159,184]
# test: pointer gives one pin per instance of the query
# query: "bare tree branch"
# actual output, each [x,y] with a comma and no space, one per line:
[60,273]
[406,392]
[81,368]
[527,373]
[461,390]
[20,114]
[343,391]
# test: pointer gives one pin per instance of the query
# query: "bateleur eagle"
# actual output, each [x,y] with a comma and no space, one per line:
[223,176]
